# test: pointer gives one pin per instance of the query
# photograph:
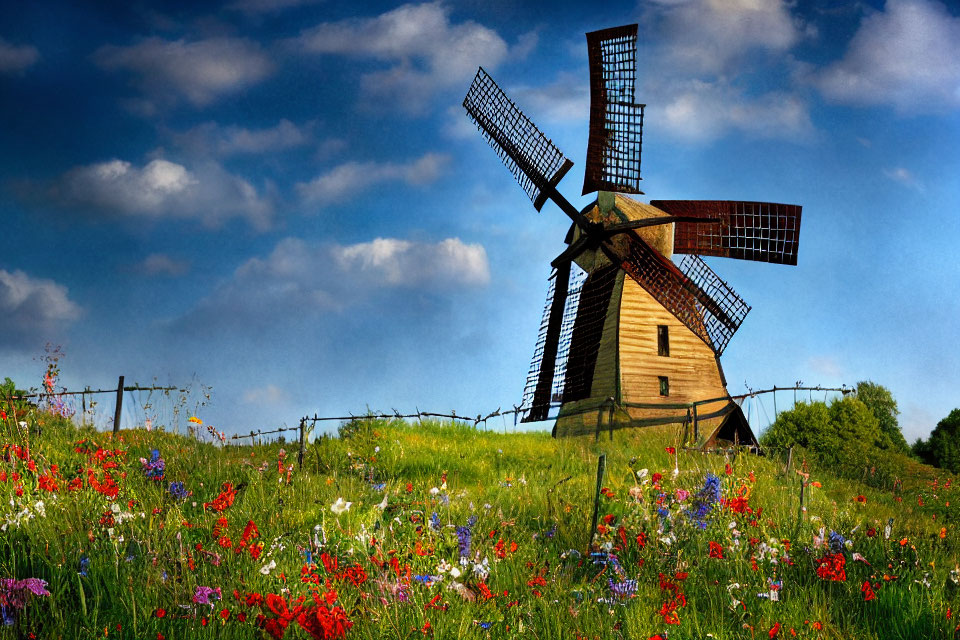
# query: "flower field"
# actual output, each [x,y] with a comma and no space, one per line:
[395,530]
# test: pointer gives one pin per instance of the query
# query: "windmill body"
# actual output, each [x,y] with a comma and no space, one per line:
[628,337]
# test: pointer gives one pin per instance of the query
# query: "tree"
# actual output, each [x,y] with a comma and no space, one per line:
[881,402]
[843,435]
[943,447]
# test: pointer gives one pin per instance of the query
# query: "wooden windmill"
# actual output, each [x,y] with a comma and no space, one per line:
[628,337]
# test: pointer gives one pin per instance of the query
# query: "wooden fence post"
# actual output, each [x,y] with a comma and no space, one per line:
[116,413]
[303,428]
[789,459]
[601,465]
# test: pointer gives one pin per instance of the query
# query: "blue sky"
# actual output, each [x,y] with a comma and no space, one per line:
[284,200]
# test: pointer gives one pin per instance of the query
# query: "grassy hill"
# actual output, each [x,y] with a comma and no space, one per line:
[400,530]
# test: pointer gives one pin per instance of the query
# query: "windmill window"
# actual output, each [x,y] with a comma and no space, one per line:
[663,340]
[664,386]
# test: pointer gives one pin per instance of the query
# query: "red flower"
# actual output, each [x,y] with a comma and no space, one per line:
[716,551]
[871,532]
[655,479]
[774,630]
[728,469]
[867,591]
[862,499]
[671,450]
[160,613]
[831,567]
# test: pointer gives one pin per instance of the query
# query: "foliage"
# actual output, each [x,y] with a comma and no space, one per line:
[881,402]
[843,435]
[942,449]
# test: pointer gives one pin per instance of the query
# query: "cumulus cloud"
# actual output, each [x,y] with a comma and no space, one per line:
[907,56]
[199,71]
[32,309]
[14,59]
[567,99]
[160,264]
[160,189]
[343,179]
[211,137]
[423,50]
[696,110]
[298,277]
[714,36]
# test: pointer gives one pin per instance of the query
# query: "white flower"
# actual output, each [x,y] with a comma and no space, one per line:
[41,509]
[267,568]
[454,572]
[434,491]
[642,474]
[340,506]
[383,503]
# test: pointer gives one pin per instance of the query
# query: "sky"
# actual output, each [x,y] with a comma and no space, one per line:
[283,200]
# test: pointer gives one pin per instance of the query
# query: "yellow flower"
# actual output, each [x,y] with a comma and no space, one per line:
[195,419]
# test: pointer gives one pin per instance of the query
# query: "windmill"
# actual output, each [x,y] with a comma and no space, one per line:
[629,338]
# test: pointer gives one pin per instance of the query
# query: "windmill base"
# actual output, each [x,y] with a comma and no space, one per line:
[709,424]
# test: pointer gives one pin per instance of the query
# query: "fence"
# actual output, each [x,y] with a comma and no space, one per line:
[119,391]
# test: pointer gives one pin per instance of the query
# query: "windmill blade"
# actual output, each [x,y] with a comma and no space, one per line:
[698,298]
[538,393]
[616,123]
[720,327]
[536,163]
[760,231]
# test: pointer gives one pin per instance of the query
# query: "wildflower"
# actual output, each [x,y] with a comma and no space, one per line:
[203,594]
[671,450]
[154,469]
[861,499]
[774,630]
[178,490]
[84,565]
[435,521]
[867,591]
[831,567]
[837,542]
[716,551]
[223,500]
[340,506]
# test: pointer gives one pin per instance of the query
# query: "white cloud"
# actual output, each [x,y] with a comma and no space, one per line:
[160,264]
[424,50]
[270,395]
[907,56]
[343,179]
[903,176]
[714,36]
[697,110]
[200,71]
[14,59]
[211,137]
[299,277]
[32,309]
[567,99]
[402,263]
[161,189]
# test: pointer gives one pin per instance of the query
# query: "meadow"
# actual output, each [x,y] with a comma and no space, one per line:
[411,530]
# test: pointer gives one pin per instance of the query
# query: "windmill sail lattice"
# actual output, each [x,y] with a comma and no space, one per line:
[759,231]
[534,160]
[616,123]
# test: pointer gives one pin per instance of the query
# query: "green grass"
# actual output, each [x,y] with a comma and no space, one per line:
[526,489]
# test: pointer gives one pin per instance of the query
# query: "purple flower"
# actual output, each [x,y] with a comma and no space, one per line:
[203,594]
[16,592]
[155,468]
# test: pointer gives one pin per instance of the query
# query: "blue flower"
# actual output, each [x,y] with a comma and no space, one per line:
[836,542]
[154,469]
[84,565]
[464,538]
[435,521]
[178,491]
[623,589]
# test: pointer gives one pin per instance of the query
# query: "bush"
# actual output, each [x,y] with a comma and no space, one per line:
[843,435]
